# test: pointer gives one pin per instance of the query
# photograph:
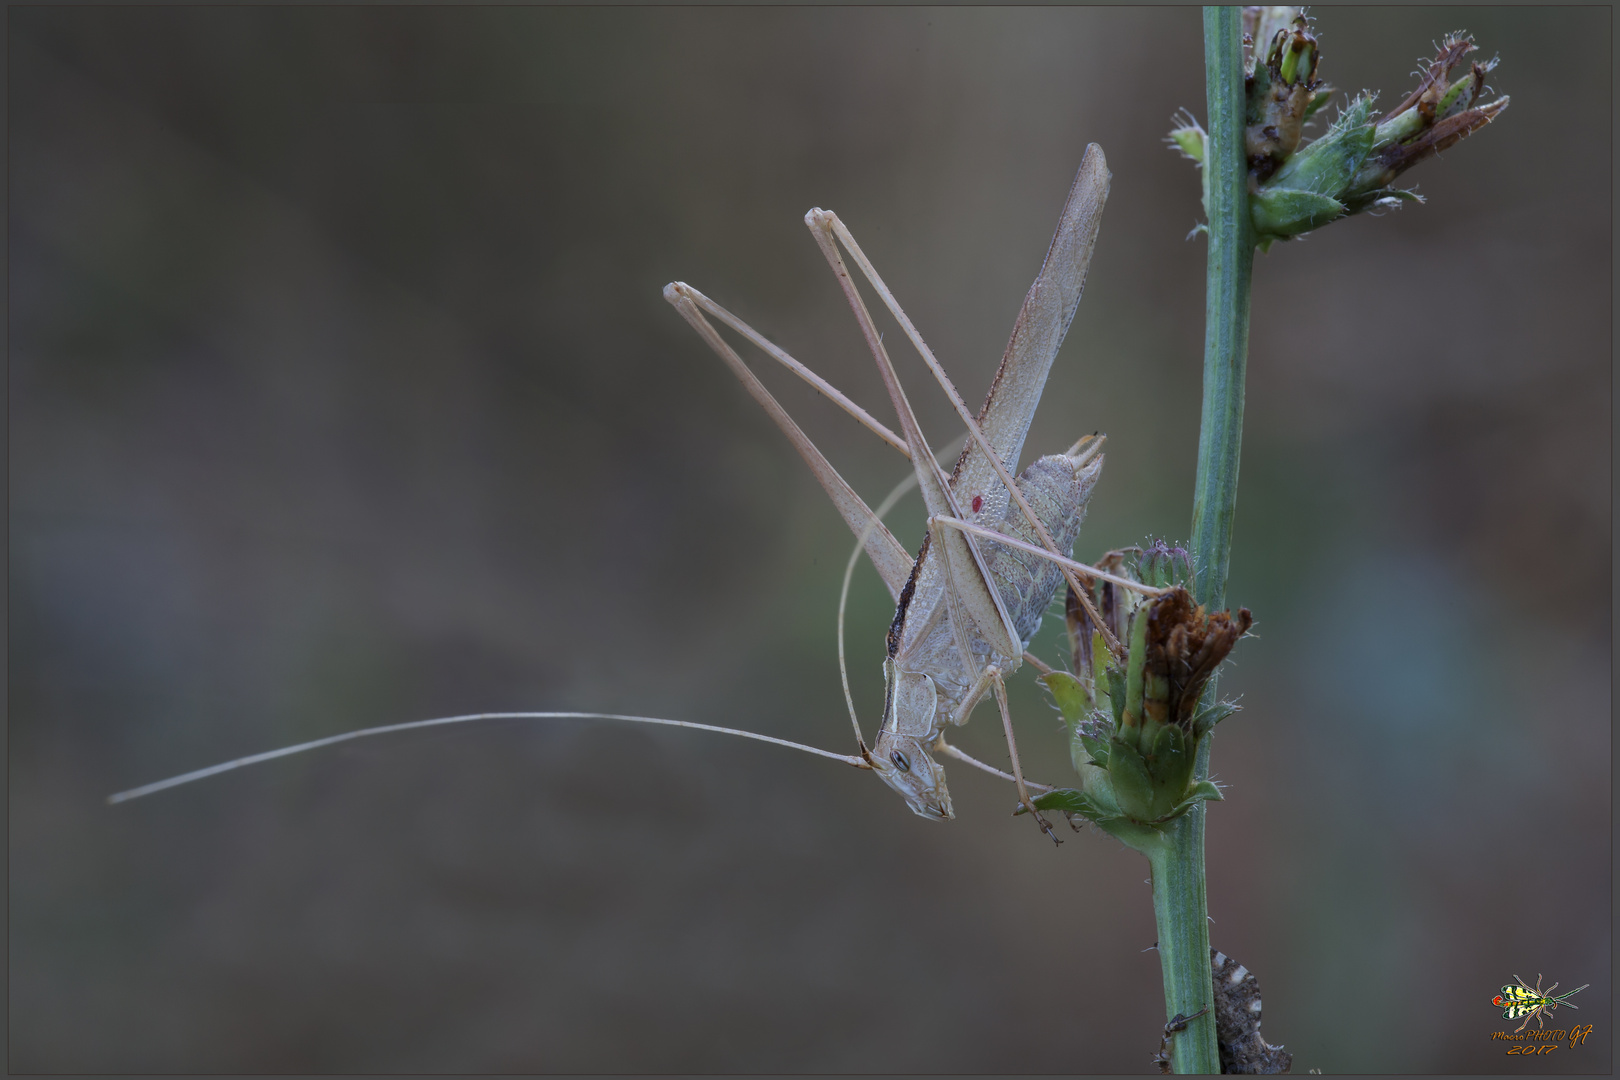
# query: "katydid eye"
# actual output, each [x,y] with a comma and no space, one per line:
[900,761]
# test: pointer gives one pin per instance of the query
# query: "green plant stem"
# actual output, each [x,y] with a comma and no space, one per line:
[1178,870]
[1226,305]
[1179,909]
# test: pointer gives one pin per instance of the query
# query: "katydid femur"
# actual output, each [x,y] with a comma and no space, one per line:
[996,548]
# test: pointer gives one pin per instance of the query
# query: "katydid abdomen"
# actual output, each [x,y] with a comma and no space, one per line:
[1058,491]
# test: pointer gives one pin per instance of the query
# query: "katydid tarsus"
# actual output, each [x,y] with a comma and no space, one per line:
[995,550]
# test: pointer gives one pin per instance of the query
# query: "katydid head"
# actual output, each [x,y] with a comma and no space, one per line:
[905,765]
[900,755]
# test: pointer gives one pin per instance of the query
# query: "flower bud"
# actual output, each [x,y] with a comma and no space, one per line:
[1163,565]
[1175,648]
[1282,93]
[1434,117]
[1114,603]
[1260,26]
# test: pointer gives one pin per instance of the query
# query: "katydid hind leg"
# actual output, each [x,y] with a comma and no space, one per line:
[780,355]
[958,552]
[891,561]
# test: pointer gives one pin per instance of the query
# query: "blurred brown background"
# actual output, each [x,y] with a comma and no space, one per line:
[343,393]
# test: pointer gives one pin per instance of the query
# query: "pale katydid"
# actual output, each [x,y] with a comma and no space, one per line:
[974,595]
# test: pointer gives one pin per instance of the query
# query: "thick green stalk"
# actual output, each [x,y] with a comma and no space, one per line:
[1179,909]
[1226,306]
[1178,870]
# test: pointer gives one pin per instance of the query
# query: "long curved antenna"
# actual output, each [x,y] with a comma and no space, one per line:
[843,597]
[286,751]
[900,489]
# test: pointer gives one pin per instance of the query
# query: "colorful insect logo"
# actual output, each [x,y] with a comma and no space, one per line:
[1531,1003]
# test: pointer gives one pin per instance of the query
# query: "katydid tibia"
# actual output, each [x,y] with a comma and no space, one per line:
[996,548]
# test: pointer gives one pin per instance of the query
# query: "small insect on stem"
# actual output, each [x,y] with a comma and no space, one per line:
[1175,1026]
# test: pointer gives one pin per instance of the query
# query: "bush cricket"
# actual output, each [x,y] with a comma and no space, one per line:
[995,550]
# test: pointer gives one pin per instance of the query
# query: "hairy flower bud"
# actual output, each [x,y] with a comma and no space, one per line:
[1351,168]
[1162,565]
[1283,92]
[1434,117]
